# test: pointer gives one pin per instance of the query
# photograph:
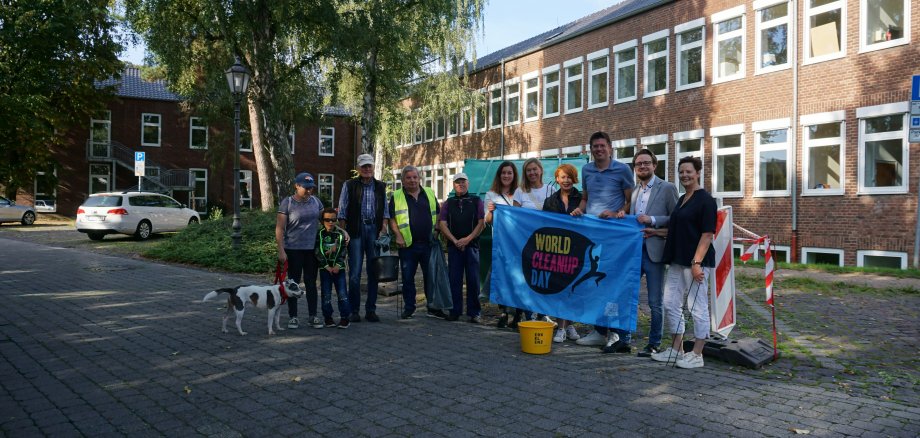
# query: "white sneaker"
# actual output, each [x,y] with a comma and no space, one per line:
[560,336]
[550,320]
[572,333]
[293,323]
[667,355]
[593,339]
[690,360]
[612,338]
[316,322]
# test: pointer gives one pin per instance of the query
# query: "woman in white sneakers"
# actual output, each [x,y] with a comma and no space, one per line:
[502,191]
[533,194]
[565,201]
[689,253]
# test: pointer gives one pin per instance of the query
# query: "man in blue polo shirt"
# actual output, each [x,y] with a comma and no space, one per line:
[607,192]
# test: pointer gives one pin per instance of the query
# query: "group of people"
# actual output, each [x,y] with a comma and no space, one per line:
[677,255]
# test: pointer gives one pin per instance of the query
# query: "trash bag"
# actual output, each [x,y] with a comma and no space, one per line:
[440,281]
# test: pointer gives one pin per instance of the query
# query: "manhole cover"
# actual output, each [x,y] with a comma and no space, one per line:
[110,268]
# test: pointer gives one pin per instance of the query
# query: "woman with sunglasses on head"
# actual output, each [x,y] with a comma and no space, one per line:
[504,185]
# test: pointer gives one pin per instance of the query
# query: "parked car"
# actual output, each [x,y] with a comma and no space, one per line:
[135,213]
[10,212]
[45,206]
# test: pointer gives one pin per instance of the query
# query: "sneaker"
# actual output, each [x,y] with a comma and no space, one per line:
[316,322]
[619,346]
[355,317]
[560,336]
[502,321]
[437,313]
[475,320]
[329,321]
[407,314]
[690,360]
[450,318]
[593,339]
[667,355]
[371,317]
[571,333]
[612,339]
[649,350]
[293,323]
[343,323]
[549,320]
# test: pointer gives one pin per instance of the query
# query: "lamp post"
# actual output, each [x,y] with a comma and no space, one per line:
[238,80]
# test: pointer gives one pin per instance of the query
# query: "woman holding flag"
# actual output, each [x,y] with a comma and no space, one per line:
[502,192]
[565,201]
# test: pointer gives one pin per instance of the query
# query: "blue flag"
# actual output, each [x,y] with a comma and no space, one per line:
[583,269]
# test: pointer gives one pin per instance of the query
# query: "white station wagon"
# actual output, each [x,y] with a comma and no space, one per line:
[135,213]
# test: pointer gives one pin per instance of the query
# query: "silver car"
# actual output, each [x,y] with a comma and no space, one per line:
[135,213]
[10,212]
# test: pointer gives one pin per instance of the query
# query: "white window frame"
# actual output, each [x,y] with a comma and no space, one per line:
[440,121]
[492,101]
[806,30]
[716,19]
[785,248]
[418,133]
[890,109]
[191,133]
[696,134]
[455,118]
[194,179]
[863,29]
[717,133]
[619,48]
[772,125]
[42,196]
[320,184]
[821,119]
[547,85]
[699,23]
[760,26]
[429,124]
[592,77]
[662,159]
[579,78]
[107,175]
[571,150]
[618,145]
[812,249]
[482,108]
[322,137]
[107,143]
[243,134]
[509,96]
[862,253]
[649,57]
[246,176]
[469,114]
[159,126]
[292,139]
[527,92]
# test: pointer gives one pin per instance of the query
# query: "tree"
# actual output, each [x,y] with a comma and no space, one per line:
[51,54]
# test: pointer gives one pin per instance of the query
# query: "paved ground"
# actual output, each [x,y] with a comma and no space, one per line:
[99,345]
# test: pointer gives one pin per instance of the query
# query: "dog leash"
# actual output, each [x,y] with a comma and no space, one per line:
[280,276]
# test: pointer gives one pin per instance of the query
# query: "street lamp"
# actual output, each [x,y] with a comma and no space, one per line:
[238,80]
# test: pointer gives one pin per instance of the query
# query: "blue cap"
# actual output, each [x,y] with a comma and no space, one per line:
[304,180]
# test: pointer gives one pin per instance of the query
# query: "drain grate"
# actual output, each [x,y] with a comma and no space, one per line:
[109,268]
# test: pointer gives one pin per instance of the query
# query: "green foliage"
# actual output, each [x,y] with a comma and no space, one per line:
[51,52]
[208,245]
[215,213]
[887,272]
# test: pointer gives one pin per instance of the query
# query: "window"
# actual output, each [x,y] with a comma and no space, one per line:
[883,152]
[825,30]
[452,125]
[625,78]
[572,151]
[822,256]
[100,135]
[246,189]
[440,127]
[45,190]
[327,142]
[658,145]
[429,130]
[771,150]
[245,140]
[495,105]
[728,165]
[573,87]
[624,150]
[656,63]
[100,178]
[883,24]
[418,132]
[691,39]
[150,129]
[689,143]
[551,91]
[598,67]
[291,138]
[198,134]
[728,45]
[325,188]
[198,198]
[513,101]
[466,123]
[771,37]
[881,259]
[823,153]
[780,253]
[531,96]
[482,114]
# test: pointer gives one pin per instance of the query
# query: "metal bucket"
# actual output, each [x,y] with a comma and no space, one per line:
[387,267]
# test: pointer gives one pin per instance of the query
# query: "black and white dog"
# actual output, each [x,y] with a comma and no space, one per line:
[264,297]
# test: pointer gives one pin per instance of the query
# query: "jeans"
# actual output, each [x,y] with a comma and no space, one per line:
[302,262]
[458,263]
[362,246]
[654,276]
[409,260]
[326,280]
[681,284]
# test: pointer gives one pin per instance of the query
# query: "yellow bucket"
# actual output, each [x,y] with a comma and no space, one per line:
[536,336]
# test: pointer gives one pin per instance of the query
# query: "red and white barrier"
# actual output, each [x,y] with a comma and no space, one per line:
[722,284]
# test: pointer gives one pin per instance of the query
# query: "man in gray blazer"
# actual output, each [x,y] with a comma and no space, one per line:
[653,200]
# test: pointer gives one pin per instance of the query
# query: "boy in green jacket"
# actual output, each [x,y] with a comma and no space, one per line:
[331,252]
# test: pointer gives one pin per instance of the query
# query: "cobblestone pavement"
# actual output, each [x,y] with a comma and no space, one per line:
[99,345]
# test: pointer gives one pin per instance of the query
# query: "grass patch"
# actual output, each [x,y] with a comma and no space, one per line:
[887,272]
[208,245]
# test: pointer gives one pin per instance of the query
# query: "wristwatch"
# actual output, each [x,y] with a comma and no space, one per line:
[694,262]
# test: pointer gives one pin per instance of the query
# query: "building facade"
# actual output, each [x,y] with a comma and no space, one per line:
[798,109]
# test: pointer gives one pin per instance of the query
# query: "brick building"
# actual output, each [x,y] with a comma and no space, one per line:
[798,108]
[145,116]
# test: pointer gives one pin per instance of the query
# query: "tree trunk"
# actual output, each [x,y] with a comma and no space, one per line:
[263,166]
[369,110]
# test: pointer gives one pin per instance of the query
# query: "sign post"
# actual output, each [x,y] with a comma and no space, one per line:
[139,158]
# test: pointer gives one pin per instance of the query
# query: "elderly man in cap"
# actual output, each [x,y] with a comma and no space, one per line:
[461,221]
[363,213]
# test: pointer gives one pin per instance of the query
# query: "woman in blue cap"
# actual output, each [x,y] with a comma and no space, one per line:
[295,232]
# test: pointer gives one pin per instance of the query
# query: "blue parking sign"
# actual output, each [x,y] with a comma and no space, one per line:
[139,156]
[915,88]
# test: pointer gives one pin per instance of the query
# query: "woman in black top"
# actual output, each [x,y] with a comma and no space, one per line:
[564,201]
[690,255]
